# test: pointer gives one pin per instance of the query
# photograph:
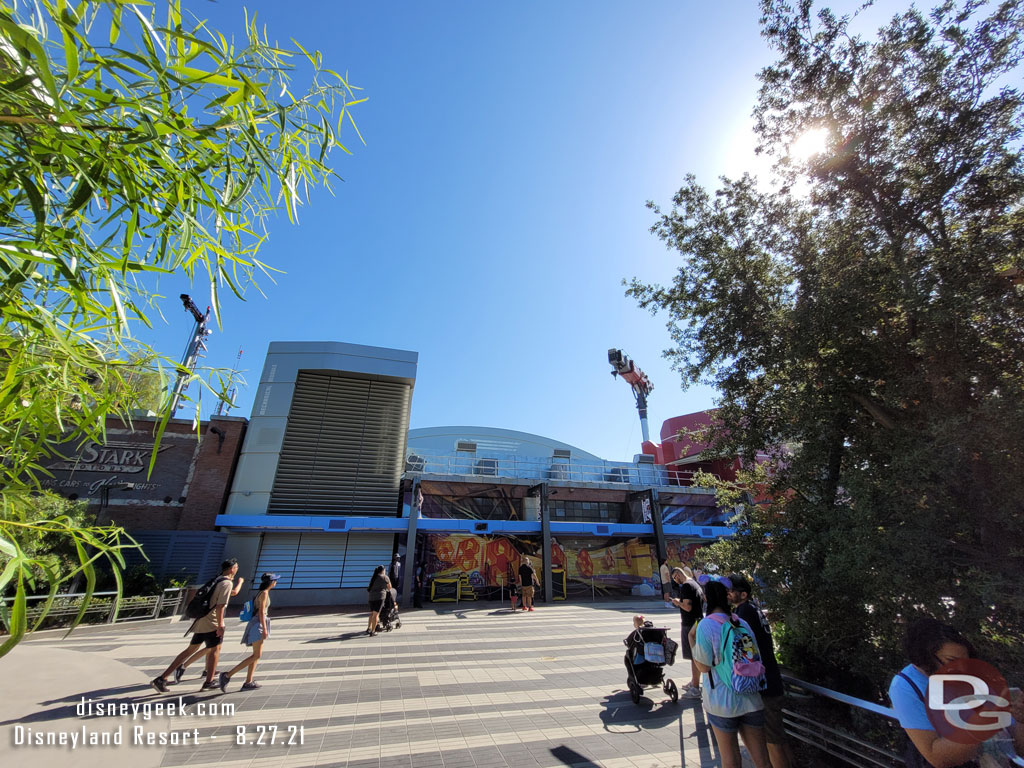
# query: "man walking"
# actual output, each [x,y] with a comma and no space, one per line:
[527,580]
[779,751]
[689,600]
[395,572]
[208,629]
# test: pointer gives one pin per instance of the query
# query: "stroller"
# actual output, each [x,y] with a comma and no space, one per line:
[388,619]
[648,650]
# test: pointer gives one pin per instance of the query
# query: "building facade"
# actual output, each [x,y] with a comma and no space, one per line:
[331,482]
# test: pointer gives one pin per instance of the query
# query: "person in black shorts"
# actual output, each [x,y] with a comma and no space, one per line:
[207,629]
[689,599]
[377,591]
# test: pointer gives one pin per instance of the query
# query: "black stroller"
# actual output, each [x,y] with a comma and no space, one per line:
[388,618]
[648,650]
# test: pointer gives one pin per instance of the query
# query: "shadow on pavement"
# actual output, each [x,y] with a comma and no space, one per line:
[707,749]
[620,712]
[338,638]
[573,758]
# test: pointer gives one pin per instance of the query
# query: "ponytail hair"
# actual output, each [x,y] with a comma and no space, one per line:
[718,599]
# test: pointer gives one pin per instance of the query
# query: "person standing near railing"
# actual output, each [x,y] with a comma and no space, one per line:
[730,708]
[773,696]
[931,645]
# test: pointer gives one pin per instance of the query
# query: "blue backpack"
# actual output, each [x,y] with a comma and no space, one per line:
[737,663]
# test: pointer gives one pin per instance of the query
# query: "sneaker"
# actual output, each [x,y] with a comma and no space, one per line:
[210,686]
[251,686]
[531,607]
[691,692]
[160,684]
[178,674]
[225,678]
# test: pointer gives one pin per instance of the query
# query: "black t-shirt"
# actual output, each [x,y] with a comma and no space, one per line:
[526,575]
[763,635]
[687,591]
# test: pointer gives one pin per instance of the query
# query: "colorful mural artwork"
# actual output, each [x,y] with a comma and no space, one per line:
[605,565]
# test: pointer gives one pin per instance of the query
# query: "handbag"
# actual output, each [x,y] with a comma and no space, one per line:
[247,611]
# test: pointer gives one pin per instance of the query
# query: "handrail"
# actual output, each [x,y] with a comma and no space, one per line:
[844,746]
[544,469]
[842,698]
[66,605]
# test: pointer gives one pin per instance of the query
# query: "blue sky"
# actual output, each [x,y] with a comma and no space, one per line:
[499,200]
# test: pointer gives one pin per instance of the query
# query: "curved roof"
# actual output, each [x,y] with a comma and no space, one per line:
[441,441]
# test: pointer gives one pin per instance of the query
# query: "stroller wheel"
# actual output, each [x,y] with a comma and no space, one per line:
[398,625]
[672,690]
[634,692]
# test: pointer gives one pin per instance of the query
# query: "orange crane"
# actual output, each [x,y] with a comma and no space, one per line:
[637,380]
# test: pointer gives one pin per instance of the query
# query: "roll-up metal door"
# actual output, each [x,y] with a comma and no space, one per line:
[278,554]
[323,560]
[344,446]
[365,552]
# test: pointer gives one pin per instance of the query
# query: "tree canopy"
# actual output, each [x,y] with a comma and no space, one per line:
[864,318]
[132,145]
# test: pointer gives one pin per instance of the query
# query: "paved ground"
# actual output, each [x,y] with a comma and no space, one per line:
[454,687]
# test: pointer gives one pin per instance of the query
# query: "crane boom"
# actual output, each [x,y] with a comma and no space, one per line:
[638,382]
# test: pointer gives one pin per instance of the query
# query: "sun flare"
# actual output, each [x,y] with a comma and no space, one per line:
[811,143]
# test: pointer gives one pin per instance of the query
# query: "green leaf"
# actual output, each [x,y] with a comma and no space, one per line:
[54,581]
[115,23]
[18,621]
[35,198]
[90,584]
[8,549]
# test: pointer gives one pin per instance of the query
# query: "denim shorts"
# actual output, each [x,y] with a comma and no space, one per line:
[732,724]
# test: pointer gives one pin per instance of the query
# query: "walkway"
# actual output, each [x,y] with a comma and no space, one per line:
[453,688]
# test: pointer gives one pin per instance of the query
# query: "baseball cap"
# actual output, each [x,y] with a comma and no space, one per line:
[270,577]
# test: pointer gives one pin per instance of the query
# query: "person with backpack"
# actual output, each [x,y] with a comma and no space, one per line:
[256,631]
[689,599]
[725,651]
[773,695]
[931,645]
[206,610]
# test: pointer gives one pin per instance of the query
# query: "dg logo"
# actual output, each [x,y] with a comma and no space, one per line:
[968,701]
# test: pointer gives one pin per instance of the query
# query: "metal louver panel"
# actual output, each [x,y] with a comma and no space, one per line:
[323,561]
[278,554]
[365,552]
[344,447]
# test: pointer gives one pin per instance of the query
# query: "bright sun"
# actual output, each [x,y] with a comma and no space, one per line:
[809,144]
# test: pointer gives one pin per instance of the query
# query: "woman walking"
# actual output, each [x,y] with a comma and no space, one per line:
[378,591]
[729,711]
[256,631]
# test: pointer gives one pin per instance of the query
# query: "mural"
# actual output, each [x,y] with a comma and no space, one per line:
[592,566]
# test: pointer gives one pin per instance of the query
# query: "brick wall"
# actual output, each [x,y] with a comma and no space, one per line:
[215,468]
[190,481]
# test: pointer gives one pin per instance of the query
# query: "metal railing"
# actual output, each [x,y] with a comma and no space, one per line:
[103,604]
[542,470]
[835,741]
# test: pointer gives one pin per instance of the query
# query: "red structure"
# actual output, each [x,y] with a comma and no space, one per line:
[681,445]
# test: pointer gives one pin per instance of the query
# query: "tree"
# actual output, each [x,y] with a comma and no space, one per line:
[130,149]
[861,318]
